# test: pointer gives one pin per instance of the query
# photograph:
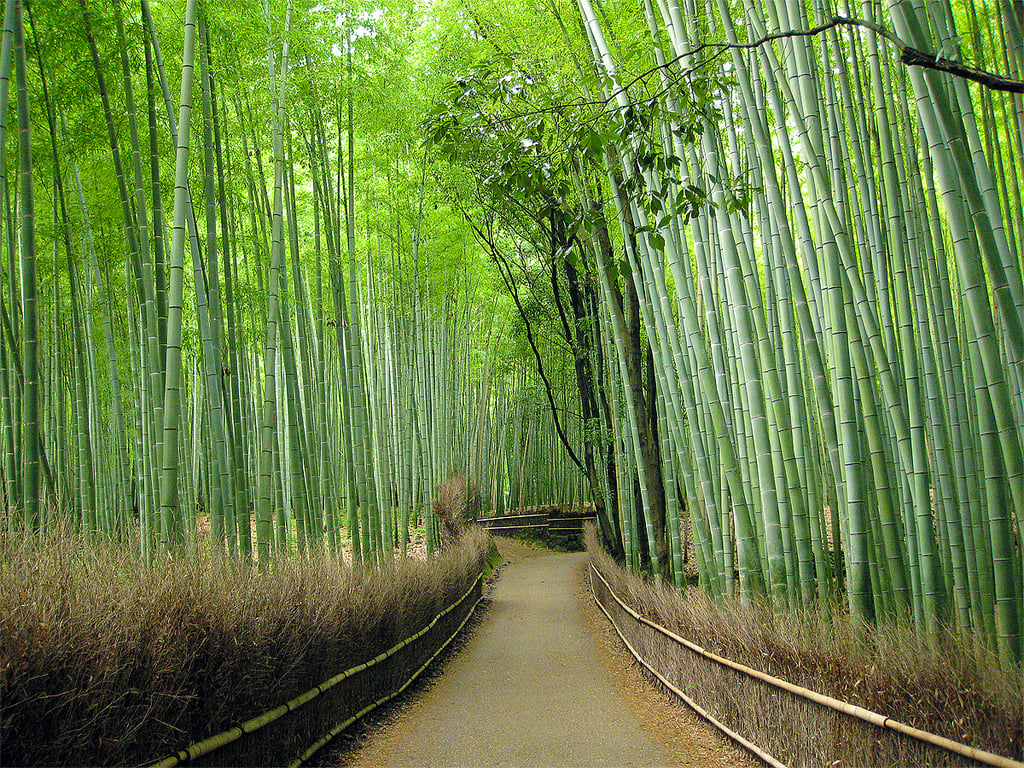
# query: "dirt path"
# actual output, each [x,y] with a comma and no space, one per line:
[536,685]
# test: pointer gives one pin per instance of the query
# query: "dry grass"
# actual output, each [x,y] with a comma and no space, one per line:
[106,662]
[456,503]
[946,687]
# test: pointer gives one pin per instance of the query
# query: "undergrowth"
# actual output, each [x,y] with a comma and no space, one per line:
[104,661]
[947,686]
[456,503]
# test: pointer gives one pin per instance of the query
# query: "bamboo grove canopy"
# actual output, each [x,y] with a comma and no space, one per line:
[744,273]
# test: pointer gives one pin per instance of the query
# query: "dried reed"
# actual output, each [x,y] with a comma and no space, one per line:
[106,662]
[948,687]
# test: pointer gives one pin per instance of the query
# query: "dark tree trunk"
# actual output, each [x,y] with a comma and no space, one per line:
[646,407]
[650,471]
[604,407]
[581,340]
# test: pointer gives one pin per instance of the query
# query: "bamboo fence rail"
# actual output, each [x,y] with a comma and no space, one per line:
[210,744]
[845,708]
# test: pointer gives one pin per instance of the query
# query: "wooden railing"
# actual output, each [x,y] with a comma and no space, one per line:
[662,648]
[551,521]
[293,732]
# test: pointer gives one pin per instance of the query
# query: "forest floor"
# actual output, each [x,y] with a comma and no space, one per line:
[541,681]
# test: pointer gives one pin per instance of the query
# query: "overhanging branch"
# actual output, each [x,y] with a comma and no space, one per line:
[506,276]
[908,55]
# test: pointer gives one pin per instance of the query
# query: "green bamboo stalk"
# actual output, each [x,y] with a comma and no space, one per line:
[169,495]
[30,492]
[268,422]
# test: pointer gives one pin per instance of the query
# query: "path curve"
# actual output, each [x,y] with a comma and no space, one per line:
[528,689]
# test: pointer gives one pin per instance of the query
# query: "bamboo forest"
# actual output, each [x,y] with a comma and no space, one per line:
[740,279]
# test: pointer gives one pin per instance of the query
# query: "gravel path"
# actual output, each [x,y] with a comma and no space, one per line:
[536,685]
